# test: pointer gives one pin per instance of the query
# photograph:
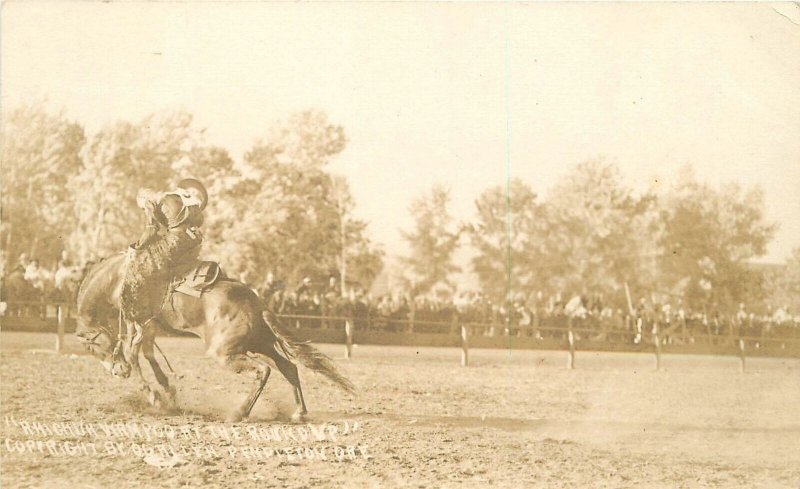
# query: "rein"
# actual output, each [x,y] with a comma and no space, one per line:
[163,356]
[120,340]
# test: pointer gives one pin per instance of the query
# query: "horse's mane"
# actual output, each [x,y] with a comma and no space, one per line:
[91,292]
[84,272]
[88,267]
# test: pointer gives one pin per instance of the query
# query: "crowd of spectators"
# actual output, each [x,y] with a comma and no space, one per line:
[27,280]
[537,315]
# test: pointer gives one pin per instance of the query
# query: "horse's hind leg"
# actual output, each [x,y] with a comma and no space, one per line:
[242,363]
[289,370]
[264,371]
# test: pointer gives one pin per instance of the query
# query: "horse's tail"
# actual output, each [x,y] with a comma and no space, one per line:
[306,354]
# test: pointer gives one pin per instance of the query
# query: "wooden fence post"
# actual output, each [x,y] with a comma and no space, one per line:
[657,342]
[60,329]
[571,341]
[464,345]
[684,336]
[324,312]
[348,340]
[741,355]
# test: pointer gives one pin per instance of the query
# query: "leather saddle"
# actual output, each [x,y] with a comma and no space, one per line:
[198,278]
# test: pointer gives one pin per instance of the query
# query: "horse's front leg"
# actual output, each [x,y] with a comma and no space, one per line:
[161,377]
[141,338]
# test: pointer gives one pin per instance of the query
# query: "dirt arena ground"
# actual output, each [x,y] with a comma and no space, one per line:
[511,419]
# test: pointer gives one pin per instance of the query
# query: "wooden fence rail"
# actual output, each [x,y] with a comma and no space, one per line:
[569,335]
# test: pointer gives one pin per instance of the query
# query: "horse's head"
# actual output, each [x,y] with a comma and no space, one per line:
[102,342]
[97,320]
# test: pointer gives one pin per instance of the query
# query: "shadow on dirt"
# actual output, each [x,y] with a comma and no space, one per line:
[215,411]
[508,424]
[136,402]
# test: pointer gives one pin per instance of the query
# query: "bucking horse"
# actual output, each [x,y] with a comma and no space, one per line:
[238,330]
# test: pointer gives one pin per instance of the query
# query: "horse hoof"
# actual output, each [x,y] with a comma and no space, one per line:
[234,417]
[171,393]
[153,398]
[169,400]
[299,417]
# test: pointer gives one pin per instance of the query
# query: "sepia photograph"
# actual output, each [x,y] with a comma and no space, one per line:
[399,244]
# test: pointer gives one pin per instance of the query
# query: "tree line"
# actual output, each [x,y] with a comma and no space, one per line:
[281,210]
[278,210]
[681,242]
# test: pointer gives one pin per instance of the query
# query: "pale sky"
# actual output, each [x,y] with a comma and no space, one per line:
[462,94]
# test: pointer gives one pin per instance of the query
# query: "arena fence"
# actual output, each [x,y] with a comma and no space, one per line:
[552,333]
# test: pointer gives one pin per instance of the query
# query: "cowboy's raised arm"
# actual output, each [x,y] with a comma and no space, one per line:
[149,201]
[146,196]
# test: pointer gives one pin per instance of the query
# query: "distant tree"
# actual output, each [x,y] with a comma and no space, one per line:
[284,213]
[599,233]
[306,140]
[783,286]
[591,234]
[432,242]
[40,155]
[508,240]
[709,235]
[115,163]
[211,165]
[359,260]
